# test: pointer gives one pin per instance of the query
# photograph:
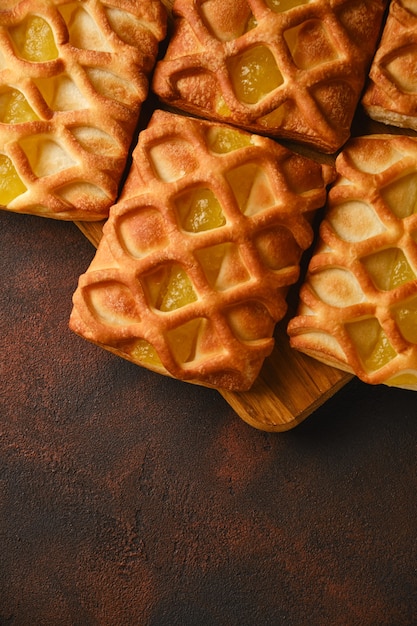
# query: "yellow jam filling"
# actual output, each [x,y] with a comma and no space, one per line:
[146,353]
[183,340]
[275,118]
[223,140]
[169,287]
[406,380]
[222,265]
[11,185]
[406,318]
[15,109]
[251,23]
[199,210]
[178,290]
[371,343]
[34,40]
[388,268]
[252,188]
[401,196]
[254,74]
[222,107]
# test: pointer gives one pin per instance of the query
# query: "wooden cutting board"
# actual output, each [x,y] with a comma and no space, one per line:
[291,385]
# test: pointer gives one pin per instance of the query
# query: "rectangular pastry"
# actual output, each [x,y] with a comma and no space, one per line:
[290,69]
[73,77]
[358,305]
[193,269]
[391,93]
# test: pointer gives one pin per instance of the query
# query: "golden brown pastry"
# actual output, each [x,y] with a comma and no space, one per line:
[73,77]
[391,94]
[290,68]
[358,307]
[196,257]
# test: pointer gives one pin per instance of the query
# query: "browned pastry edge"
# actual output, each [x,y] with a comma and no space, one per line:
[367,168]
[384,99]
[317,105]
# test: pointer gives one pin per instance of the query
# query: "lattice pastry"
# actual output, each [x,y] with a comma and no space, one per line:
[291,69]
[73,77]
[391,94]
[196,258]
[358,306]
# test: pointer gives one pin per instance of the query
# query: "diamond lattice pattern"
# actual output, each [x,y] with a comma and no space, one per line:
[290,68]
[360,296]
[72,81]
[202,251]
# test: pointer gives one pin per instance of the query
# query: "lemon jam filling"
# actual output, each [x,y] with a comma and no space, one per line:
[251,23]
[11,185]
[371,343]
[275,118]
[146,353]
[222,265]
[183,340]
[178,291]
[34,40]
[252,188]
[406,380]
[254,74]
[401,196]
[199,210]
[406,317]
[169,287]
[388,268]
[221,107]
[15,109]
[224,140]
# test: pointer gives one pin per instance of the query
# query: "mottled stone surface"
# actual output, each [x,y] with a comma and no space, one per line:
[128,499]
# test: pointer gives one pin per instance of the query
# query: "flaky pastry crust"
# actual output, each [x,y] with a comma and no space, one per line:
[73,77]
[291,70]
[391,93]
[358,305]
[196,258]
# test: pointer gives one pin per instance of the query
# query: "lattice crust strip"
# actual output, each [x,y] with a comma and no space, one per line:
[358,306]
[73,77]
[391,95]
[196,258]
[291,69]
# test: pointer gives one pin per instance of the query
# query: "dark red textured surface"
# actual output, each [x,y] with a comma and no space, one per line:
[128,499]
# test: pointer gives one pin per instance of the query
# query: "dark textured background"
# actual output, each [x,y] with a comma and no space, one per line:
[129,499]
